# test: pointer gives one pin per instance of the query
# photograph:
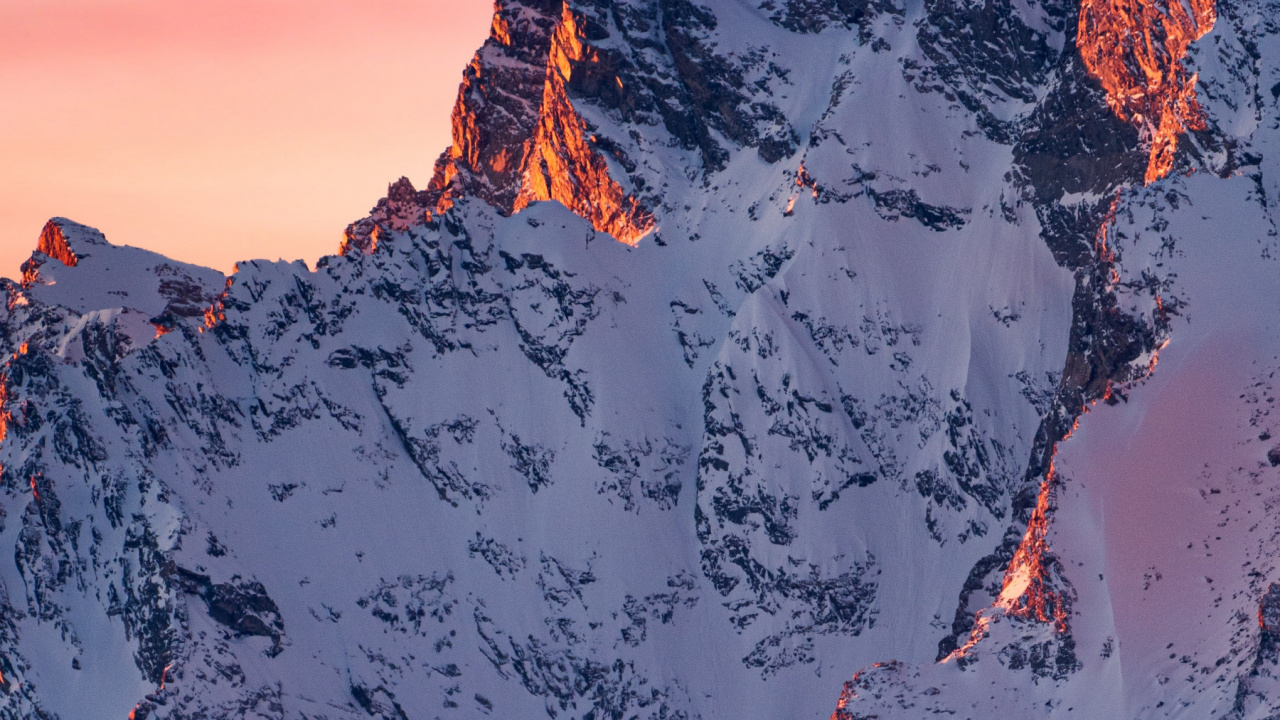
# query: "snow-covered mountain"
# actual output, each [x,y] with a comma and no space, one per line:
[735,349]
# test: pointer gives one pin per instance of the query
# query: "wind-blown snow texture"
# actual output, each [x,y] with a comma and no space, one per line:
[909,376]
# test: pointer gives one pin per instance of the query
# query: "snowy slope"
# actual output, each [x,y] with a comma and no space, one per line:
[801,421]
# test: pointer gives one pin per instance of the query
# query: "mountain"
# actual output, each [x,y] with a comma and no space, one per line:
[801,358]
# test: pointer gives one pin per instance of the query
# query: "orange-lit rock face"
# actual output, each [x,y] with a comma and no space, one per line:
[215,313]
[803,180]
[499,30]
[6,410]
[850,692]
[1028,591]
[54,244]
[560,165]
[1135,48]
[511,157]
[6,416]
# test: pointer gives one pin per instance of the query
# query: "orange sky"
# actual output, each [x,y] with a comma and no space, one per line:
[221,130]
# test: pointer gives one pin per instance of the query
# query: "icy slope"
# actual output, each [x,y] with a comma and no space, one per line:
[487,460]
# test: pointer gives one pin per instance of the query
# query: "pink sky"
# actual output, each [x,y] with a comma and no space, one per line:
[219,130]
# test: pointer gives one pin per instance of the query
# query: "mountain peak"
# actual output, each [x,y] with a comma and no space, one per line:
[53,242]
[60,238]
[74,265]
[517,137]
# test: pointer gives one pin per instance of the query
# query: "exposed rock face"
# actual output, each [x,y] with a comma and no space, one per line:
[513,148]
[561,165]
[1136,50]
[53,242]
[53,245]
[909,307]
[520,136]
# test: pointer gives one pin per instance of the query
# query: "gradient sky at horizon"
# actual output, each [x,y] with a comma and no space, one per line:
[221,130]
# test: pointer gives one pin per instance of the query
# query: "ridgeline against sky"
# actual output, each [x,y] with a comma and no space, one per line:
[810,358]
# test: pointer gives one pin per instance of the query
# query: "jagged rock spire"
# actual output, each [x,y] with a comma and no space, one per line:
[512,152]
